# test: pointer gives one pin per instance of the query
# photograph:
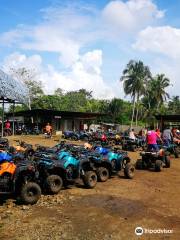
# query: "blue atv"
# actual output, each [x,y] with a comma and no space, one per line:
[71,135]
[108,162]
[78,165]
[105,161]
[56,171]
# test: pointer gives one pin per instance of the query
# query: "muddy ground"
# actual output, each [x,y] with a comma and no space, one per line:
[111,211]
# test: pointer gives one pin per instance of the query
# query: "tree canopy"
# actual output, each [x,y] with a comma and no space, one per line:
[149,96]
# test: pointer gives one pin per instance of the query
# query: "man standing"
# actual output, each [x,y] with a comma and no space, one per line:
[7,128]
[167,135]
[152,140]
[48,130]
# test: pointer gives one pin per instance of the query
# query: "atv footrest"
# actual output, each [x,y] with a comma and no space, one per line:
[5,192]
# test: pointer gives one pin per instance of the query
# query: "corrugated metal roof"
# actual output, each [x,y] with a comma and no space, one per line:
[13,90]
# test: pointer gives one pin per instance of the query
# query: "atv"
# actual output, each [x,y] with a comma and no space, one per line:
[108,162]
[172,148]
[70,135]
[78,165]
[58,170]
[55,149]
[4,143]
[19,179]
[105,161]
[153,160]
[24,148]
[129,144]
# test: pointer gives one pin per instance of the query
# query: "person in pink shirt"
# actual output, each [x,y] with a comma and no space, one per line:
[152,140]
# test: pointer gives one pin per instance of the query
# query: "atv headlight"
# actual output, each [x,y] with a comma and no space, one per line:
[31,168]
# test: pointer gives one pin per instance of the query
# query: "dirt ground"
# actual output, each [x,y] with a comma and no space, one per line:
[111,211]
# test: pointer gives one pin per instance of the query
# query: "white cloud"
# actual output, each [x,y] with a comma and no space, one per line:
[84,73]
[65,30]
[70,29]
[171,70]
[164,40]
[17,60]
[132,15]
[59,32]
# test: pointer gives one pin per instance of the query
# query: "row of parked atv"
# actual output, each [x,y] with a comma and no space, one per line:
[126,143]
[26,172]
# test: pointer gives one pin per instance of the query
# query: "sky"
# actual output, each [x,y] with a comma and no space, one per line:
[87,44]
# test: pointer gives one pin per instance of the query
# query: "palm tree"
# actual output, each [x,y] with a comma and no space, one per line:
[135,76]
[159,84]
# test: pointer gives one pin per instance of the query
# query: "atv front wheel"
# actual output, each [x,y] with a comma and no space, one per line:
[30,193]
[158,165]
[90,179]
[129,170]
[54,184]
[102,174]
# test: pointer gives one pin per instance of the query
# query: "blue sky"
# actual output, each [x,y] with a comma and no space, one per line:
[87,44]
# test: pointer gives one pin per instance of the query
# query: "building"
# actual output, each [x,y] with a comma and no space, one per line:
[60,120]
[172,120]
[11,91]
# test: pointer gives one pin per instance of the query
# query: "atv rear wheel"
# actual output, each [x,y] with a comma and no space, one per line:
[158,165]
[133,148]
[30,193]
[102,174]
[176,153]
[54,184]
[167,161]
[139,164]
[74,138]
[129,170]
[90,179]
[85,139]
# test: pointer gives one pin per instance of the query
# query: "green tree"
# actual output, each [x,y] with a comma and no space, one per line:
[115,107]
[158,88]
[156,95]
[135,77]
[59,92]
[174,105]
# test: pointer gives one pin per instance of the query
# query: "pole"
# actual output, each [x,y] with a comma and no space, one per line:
[2,130]
[13,119]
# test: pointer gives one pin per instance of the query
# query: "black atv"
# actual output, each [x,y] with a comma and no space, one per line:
[129,144]
[172,148]
[153,160]
[4,143]
[54,149]
[20,179]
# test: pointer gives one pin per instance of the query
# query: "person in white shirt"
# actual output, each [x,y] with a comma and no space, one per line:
[132,135]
